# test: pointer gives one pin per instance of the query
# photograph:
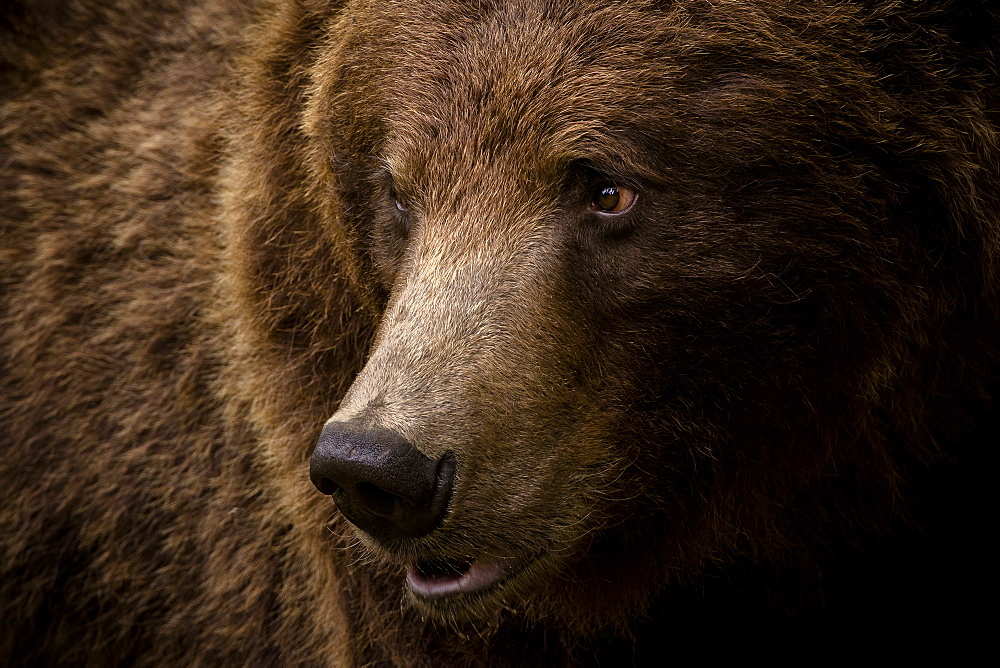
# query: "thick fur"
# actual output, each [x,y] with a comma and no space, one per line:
[746,415]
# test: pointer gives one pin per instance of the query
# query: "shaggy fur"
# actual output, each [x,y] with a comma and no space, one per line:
[745,415]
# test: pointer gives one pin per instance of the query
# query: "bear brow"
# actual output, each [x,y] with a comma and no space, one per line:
[617,170]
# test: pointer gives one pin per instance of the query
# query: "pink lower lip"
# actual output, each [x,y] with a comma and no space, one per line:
[480,575]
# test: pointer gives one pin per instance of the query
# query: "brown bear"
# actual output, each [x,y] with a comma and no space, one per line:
[608,333]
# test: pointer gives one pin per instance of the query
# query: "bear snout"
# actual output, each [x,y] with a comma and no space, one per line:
[381,482]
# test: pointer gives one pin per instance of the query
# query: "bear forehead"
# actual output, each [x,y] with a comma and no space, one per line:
[512,92]
[556,81]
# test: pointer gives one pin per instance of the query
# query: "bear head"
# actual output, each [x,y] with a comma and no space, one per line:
[651,289]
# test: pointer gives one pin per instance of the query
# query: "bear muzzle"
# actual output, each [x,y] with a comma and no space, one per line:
[381,482]
[389,489]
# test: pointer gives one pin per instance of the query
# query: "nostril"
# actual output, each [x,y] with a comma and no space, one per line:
[326,486]
[377,500]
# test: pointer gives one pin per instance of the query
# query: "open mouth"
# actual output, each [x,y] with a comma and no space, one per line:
[439,578]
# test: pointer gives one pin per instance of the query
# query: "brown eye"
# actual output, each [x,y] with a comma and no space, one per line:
[612,199]
[400,204]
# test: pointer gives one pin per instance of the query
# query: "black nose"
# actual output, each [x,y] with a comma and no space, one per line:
[381,482]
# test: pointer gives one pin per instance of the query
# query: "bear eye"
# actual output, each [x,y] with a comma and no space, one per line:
[400,204]
[612,199]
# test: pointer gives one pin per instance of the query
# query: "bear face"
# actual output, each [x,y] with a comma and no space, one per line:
[615,308]
[618,325]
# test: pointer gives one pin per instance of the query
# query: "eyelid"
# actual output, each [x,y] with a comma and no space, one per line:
[385,174]
[605,174]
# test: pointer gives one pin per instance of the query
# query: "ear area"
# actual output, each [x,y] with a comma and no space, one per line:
[283,264]
[344,132]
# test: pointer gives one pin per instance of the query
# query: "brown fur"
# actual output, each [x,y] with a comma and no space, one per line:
[763,376]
